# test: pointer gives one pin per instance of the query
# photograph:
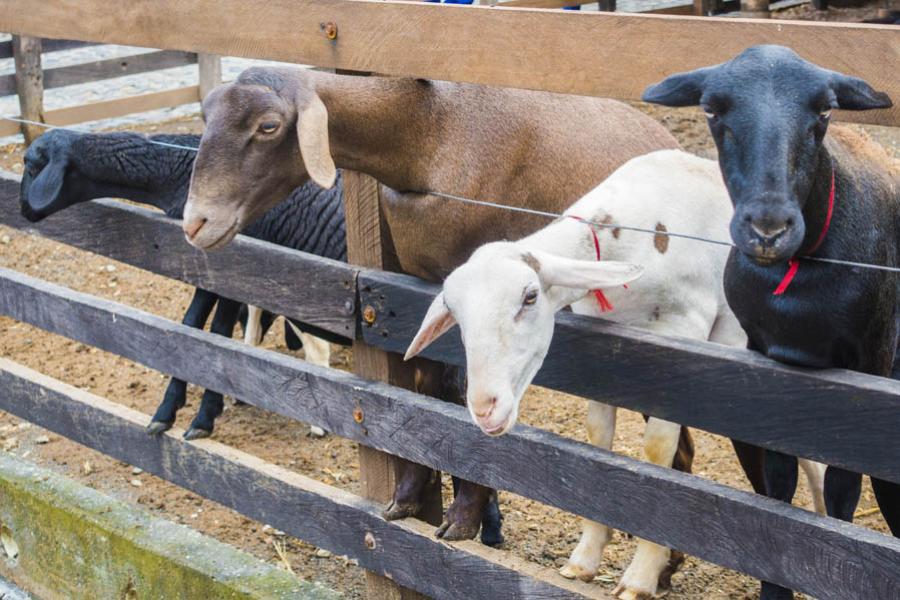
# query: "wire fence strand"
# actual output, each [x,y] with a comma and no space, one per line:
[528,211]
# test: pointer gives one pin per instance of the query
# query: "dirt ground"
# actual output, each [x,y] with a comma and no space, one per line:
[533,531]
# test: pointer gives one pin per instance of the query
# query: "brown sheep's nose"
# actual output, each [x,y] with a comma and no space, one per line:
[191,229]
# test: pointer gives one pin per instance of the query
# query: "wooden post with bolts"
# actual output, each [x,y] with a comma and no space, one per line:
[29,84]
[367,238]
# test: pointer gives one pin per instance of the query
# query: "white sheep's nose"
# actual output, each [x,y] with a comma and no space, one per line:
[484,407]
[192,228]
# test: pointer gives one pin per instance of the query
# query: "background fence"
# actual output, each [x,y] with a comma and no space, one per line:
[837,417]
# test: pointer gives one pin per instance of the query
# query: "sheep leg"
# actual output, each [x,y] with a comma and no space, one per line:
[474,506]
[213,403]
[176,393]
[888,495]
[815,477]
[781,484]
[641,579]
[414,480]
[585,559]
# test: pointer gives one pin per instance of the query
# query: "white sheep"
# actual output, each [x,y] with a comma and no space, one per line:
[505,298]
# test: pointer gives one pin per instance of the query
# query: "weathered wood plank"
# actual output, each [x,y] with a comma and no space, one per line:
[46,46]
[832,416]
[106,69]
[320,514]
[765,538]
[107,109]
[319,291]
[28,83]
[614,55]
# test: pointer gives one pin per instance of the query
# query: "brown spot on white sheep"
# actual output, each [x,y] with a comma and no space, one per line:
[532,262]
[654,316]
[660,240]
[607,220]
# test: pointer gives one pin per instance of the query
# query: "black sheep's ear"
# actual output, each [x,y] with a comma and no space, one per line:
[681,89]
[45,189]
[855,94]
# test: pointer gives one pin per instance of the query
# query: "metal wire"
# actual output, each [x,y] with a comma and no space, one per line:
[531,211]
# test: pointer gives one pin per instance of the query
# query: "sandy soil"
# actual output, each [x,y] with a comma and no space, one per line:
[533,531]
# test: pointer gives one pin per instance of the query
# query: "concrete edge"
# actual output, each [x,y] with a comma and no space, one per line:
[75,542]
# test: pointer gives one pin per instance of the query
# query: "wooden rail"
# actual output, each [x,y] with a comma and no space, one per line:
[604,54]
[105,69]
[830,416]
[320,514]
[776,541]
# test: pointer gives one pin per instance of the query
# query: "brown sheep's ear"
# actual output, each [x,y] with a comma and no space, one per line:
[312,135]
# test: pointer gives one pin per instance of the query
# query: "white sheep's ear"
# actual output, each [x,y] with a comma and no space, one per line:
[312,135]
[438,321]
[586,274]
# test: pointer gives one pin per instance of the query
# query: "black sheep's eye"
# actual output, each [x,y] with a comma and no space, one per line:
[709,112]
[530,297]
[269,127]
[825,113]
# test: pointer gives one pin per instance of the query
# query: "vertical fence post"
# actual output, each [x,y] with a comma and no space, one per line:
[755,9]
[29,83]
[704,8]
[366,234]
[209,66]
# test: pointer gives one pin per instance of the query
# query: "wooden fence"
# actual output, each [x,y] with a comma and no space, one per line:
[30,80]
[838,417]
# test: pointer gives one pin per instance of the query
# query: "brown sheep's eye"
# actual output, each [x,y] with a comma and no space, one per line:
[530,297]
[269,127]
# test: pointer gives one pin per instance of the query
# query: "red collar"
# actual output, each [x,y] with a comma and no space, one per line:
[794,263]
[602,300]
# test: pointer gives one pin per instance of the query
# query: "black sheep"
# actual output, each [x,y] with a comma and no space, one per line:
[798,192]
[63,168]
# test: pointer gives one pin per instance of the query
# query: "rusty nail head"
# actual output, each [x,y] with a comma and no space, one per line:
[370,541]
[358,415]
[369,314]
[330,30]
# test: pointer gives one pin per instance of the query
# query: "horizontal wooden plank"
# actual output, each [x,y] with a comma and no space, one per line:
[317,291]
[831,416]
[765,538]
[46,46]
[320,514]
[108,109]
[604,54]
[106,69]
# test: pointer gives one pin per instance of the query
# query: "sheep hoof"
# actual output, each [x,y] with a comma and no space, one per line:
[195,433]
[397,510]
[158,427]
[452,532]
[623,593]
[573,571]
[316,432]
[676,559]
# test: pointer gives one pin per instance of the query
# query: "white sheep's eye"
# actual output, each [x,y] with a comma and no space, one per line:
[269,127]
[530,297]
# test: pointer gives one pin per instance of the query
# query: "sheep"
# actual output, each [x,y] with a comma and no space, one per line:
[799,189]
[274,128]
[63,168]
[505,296]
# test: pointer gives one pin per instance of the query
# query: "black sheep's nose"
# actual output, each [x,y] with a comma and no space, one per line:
[768,232]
